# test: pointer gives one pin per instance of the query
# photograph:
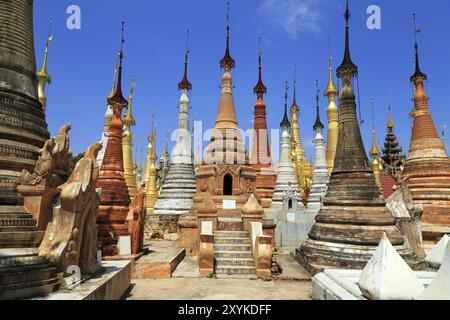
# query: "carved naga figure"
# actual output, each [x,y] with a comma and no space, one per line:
[71,239]
[53,163]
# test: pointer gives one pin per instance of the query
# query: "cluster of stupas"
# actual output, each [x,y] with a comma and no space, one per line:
[233,207]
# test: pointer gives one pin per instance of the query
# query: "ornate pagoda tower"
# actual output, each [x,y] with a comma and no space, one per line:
[127,145]
[179,185]
[23,129]
[393,158]
[354,214]
[333,118]
[225,172]
[302,167]
[428,165]
[286,187]
[114,197]
[260,155]
[320,174]
[107,118]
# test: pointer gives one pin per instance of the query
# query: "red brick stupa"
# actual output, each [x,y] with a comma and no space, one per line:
[261,159]
[428,165]
[114,198]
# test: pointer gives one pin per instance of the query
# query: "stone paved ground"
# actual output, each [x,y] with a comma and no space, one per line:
[219,289]
[293,284]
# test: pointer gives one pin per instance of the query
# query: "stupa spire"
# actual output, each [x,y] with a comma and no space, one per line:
[418,74]
[185,84]
[374,151]
[226,116]
[43,77]
[118,98]
[390,122]
[318,125]
[128,118]
[127,146]
[285,124]
[260,89]
[347,65]
[227,61]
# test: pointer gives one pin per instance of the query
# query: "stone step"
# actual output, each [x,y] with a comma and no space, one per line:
[233,254]
[17,228]
[20,239]
[231,234]
[13,210]
[223,262]
[28,275]
[231,270]
[232,247]
[229,240]
[250,276]
[22,260]
[28,290]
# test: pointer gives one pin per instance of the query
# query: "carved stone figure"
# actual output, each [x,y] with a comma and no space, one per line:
[53,163]
[136,220]
[71,238]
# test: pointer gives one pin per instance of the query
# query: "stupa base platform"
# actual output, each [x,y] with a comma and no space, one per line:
[161,261]
[159,225]
[316,256]
[111,284]
[340,284]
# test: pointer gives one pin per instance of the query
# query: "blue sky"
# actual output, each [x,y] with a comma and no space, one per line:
[294,32]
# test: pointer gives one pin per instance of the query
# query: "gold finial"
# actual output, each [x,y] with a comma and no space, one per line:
[374,151]
[390,122]
[128,118]
[151,136]
[331,90]
[42,75]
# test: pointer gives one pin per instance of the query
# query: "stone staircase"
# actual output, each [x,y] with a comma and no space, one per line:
[233,253]
[23,273]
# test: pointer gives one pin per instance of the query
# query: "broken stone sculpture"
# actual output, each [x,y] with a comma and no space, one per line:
[71,238]
[136,220]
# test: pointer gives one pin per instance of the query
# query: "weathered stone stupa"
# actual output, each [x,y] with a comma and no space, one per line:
[286,194]
[428,165]
[23,129]
[260,153]
[179,185]
[114,198]
[354,215]
[320,174]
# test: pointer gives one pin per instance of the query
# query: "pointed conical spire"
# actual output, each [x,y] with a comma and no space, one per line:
[318,126]
[331,90]
[227,61]
[260,89]
[294,94]
[390,122]
[418,74]
[374,151]
[43,71]
[347,65]
[128,118]
[185,84]
[285,124]
[118,96]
